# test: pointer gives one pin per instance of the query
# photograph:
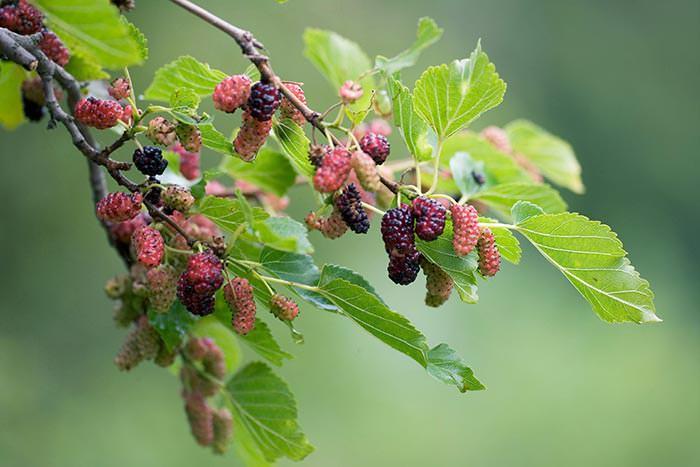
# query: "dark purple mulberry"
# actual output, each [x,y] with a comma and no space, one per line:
[150,161]
[430,218]
[349,203]
[376,145]
[397,233]
[263,101]
[200,281]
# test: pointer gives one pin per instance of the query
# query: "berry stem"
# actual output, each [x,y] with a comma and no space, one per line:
[443,196]
[275,280]
[436,167]
[369,207]
[497,225]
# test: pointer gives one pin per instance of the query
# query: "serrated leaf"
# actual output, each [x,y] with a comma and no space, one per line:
[502,198]
[173,325]
[85,69]
[295,145]
[445,365]
[460,268]
[215,140]
[11,111]
[297,268]
[199,189]
[334,271]
[263,404]
[95,30]
[591,257]
[271,171]
[508,245]
[283,233]
[428,33]
[222,334]
[552,155]
[247,449]
[449,97]
[463,167]
[339,59]
[184,72]
[227,213]
[413,129]
[523,210]
[139,38]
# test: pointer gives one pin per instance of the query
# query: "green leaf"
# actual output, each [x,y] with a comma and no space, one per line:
[84,69]
[508,245]
[428,33]
[591,257]
[445,365]
[247,449]
[297,268]
[271,171]
[11,111]
[376,318]
[184,72]
[295,145]
[95,30]
[333,271]
[552,155]
[463,167]
[222,334]
[139,38]
[227,213]
[173,325]
[283,233]
[523,210]
[263,404]
[501,198]
[449,97]
[339,59]
[413,129]
[260,339]
[184,99]
[215,140]
[460,268]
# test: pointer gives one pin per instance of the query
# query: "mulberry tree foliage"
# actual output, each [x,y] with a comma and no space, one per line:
[213,262]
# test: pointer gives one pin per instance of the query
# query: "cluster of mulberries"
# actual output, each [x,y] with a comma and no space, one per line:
[118,206]
[349,204]
[284,308]
[141,343]
[199,282]
[430,218]
[399,243]
[149,246]
[251,136]
[288,110]
[239,296]
[162,287]
[150,161]
[21,17]
[232,93]
[438,284]
[100,114]
[489,256]
[332,171]
[52,46]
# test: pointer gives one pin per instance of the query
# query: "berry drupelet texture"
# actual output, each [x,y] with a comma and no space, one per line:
[189,136]
[438,284]
[162,287]
[231,93]
[251,136]
[333,171]
[284,308]
[98,113]
[489,256]
[119,88]
[239,296]
[119,207]
[263,101]
[150,161]
[430,218]
[376,146]
[21,17]
[288,110]
[349,204]
[397,233]
[149,246]
[178,198]
[200,418]
[366,171]
[331,227]
[465,223]
[52,46]
[200,281]
[161,131]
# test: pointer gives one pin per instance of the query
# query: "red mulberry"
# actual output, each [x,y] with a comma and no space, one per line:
[397,233]
[119,88]
[350,92]
[231,93]
[141,343]
[149,246]
[189,136]
[52,46]
[465,222]
[178,198]
[162,287]
[263,101]
[200,281]
[376,146]
[118,206]
[223,430]
[489,256]
[123,231]
[437,282]
[161,131]
[430,218]
[239,296]
[189,163]
[288,110]
[284,308]
[251,136]
[333,171]
[349,204]
[366,171]
[21,17]
[200,418]
[98,113]
[150,161]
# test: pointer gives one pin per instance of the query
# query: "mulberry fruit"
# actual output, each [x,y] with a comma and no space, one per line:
[437,282]
[489,256]
[189,136]
[376,146]
[189,163]
[178,198]
[197,348]
[397,233]
[141,343]
[119,88]
[284,308]
[200,418]
[32,110]
[350,92]
[366,171]
[465,222]
[98,113]
[148,246]
[223,430]
[162,287]
[331,227]
[165,357]
[231,93]
[430,218]
[380,127]
[52,46]
[403,267]
[21,17]
[498,138]
[478,177]
[251,136]
[349,204]
[213,360]
[263,101]
[200,281]
[239,296]
[149,161]
[161,131]
[317,152]
[118,206]
[333,171]
[288,110]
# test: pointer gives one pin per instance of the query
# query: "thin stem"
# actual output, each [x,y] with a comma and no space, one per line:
[497,225]
[369,207]
[436,168]
[439,195]
[275,280]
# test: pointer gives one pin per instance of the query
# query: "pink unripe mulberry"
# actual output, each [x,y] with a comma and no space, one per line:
[331,227]
[288,110]
[231,93]
[149,246]
[438,284]
[366,171]
[189,162]
[98,113]
[161,131]
[239,296]
[333,171]
[465,222]
[200,418]
[119,88]
[162,287]
[223,430]
[251,136]
[284,308]
[118,206]
[489,256]
[52,46]
[142,343]
[350,92]
[123,231]
[498,138]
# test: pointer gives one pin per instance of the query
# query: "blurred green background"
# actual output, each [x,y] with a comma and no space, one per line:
[616,79]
